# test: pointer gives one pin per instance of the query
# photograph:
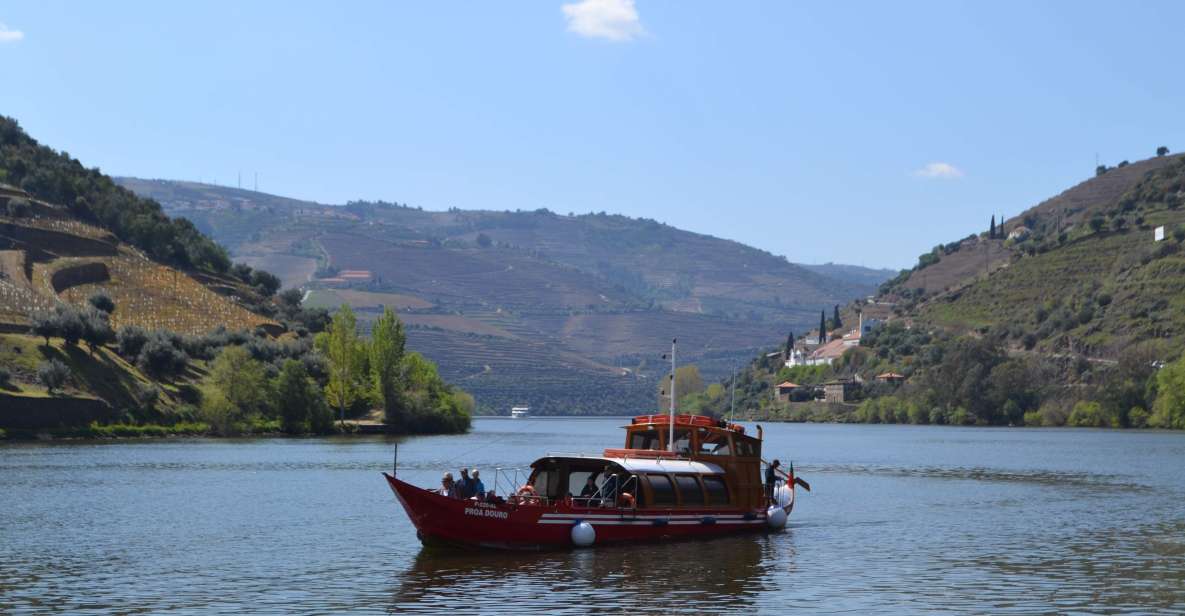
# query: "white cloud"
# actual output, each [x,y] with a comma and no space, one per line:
[615,20]
[10,36]
[945,171]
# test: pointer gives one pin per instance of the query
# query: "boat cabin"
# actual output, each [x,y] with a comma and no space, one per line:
[711,464]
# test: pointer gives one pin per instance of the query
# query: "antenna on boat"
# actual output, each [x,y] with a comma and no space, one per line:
[395,461]
[671,435]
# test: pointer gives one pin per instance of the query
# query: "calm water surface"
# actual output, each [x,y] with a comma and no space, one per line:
[902,519]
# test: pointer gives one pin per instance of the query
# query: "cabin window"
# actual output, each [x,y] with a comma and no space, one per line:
[746,448]
[576,481]
[689,490]
[542,483]
[682,440]
[714,443]
[644,439]
[717,489]
[661,489]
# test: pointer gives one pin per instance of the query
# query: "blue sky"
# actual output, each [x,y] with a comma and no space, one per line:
[851,132]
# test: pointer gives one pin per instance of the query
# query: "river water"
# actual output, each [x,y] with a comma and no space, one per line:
[902,519]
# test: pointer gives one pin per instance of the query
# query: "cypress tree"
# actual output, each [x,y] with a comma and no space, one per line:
[789,345]
[835,318]
[822,327]
[992,229]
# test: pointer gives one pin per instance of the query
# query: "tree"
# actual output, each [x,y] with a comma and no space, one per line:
[1162,150]
[130,341]
[342,349]
[386,364]
[52,374]
[822,327]
[688,382]
[1097,223]
[241,379]
[298,399]
[835,317]
[1169,409]
[96,329]
[70,325]
[266,283]
[290,300]
[992,229]
[102,301]
[162,354]
[1100,170]
[44,324]
[789,345]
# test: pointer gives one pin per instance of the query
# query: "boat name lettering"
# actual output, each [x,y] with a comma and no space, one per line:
[486,513]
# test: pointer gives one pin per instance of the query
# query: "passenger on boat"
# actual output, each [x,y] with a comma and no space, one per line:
[464,485]
[771,480]
[590,487]
[447,486]
[478,488]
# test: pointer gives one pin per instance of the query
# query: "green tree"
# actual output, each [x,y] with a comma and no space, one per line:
[386,365]
[822,327]
[1097,223]
[835,317]
[241,379]
[52,374]
[1162,150]
[1169,409]
[992,229]
[298,399]
[346,360]
[688,382]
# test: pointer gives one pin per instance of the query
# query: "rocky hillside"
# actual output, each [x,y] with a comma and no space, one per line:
[567,313]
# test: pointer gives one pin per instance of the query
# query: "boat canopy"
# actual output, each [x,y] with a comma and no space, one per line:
[639,465]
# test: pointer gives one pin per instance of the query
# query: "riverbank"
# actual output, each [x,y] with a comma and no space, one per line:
[189,429]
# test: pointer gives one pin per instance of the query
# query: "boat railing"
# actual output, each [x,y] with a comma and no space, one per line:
[601,498]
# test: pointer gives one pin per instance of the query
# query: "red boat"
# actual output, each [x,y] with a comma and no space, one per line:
[695,478]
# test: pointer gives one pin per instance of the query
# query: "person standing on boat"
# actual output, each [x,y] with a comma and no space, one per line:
[771,480]
[464,485]
[477,488]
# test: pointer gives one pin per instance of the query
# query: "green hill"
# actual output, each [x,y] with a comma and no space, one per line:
[566,313]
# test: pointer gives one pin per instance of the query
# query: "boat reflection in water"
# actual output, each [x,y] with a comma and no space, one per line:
[722,574]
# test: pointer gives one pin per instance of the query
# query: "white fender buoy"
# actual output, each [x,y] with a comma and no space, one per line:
[583,534]
[776,517]
[783,495]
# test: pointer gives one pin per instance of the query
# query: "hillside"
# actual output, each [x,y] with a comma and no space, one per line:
[566,313]
[1085,277]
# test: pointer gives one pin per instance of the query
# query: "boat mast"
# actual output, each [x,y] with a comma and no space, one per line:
[671,434]
[732,406]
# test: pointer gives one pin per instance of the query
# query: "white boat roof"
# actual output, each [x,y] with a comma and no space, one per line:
[649,465]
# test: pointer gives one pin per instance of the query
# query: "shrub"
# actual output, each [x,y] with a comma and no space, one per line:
[130,341]
[1097,223]
[52,374]
[1137,417]
[162,354]
[96,330]
[102,301]
[1087,415]
[1032,418]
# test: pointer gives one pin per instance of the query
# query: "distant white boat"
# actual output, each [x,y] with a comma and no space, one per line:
[520,412]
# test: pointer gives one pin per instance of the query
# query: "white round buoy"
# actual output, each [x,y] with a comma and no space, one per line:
[583,534]
[783,495]
[776,518]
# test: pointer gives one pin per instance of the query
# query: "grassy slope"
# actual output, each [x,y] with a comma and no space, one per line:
[1106,289]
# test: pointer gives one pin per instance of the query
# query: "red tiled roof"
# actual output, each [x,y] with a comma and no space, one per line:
[787,385]
[833,348]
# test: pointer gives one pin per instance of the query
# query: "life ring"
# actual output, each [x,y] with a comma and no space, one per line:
[627,500]
[527,494]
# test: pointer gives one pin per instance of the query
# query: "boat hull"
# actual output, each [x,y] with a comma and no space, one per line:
[443,520]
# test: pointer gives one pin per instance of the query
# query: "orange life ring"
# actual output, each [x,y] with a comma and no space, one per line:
[627,500]
[527,490]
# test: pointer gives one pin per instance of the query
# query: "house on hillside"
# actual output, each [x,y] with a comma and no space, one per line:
[785,390]
[838,391]
[891,377]
[827,354]
[796,358]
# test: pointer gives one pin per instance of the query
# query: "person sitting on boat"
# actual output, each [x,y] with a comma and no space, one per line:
[478,488]
[771,480]
[590,487]
[447,486]
[464,485]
